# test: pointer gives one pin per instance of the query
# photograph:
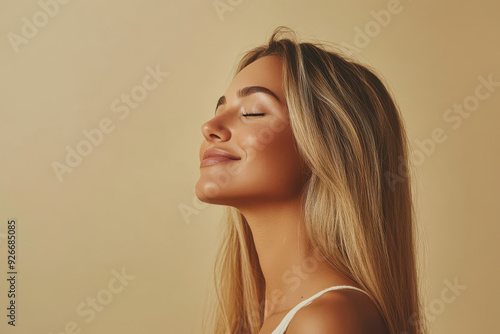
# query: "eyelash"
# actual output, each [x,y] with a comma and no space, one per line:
[256,114]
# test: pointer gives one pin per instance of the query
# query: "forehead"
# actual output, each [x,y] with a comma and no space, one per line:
[265,72]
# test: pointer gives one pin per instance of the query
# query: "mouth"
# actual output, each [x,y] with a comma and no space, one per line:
[215,160]
[216,155]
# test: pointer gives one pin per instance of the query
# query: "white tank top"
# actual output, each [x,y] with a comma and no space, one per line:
[288,317]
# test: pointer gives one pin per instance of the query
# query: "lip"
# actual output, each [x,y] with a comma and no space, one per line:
[215,155]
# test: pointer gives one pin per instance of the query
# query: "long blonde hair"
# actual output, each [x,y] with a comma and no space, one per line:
[358,206]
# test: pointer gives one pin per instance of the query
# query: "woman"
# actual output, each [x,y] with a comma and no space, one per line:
[307,151]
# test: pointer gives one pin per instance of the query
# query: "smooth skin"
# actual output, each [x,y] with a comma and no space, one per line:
[265,185]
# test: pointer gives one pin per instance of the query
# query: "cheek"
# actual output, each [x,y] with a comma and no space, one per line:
[272,160]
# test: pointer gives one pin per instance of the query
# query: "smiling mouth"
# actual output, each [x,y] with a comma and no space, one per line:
[215,160]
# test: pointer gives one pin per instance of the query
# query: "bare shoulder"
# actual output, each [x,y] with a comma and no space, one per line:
[338,311]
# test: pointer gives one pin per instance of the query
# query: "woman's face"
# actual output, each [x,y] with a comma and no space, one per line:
[266,165]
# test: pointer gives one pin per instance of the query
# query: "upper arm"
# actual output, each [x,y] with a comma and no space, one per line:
[336,314]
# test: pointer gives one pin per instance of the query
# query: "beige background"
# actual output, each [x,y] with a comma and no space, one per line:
[122,206]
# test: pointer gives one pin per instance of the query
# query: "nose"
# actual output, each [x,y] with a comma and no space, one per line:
[216,129]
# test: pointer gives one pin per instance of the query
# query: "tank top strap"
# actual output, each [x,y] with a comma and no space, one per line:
[288,317]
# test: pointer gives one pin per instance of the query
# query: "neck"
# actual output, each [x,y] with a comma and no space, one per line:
[285,256]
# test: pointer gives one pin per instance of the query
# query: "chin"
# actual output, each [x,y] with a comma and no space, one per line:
[208,193]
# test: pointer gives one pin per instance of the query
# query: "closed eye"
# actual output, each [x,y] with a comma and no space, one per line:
[260,114]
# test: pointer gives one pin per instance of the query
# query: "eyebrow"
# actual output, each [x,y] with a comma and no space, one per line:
[245,92]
